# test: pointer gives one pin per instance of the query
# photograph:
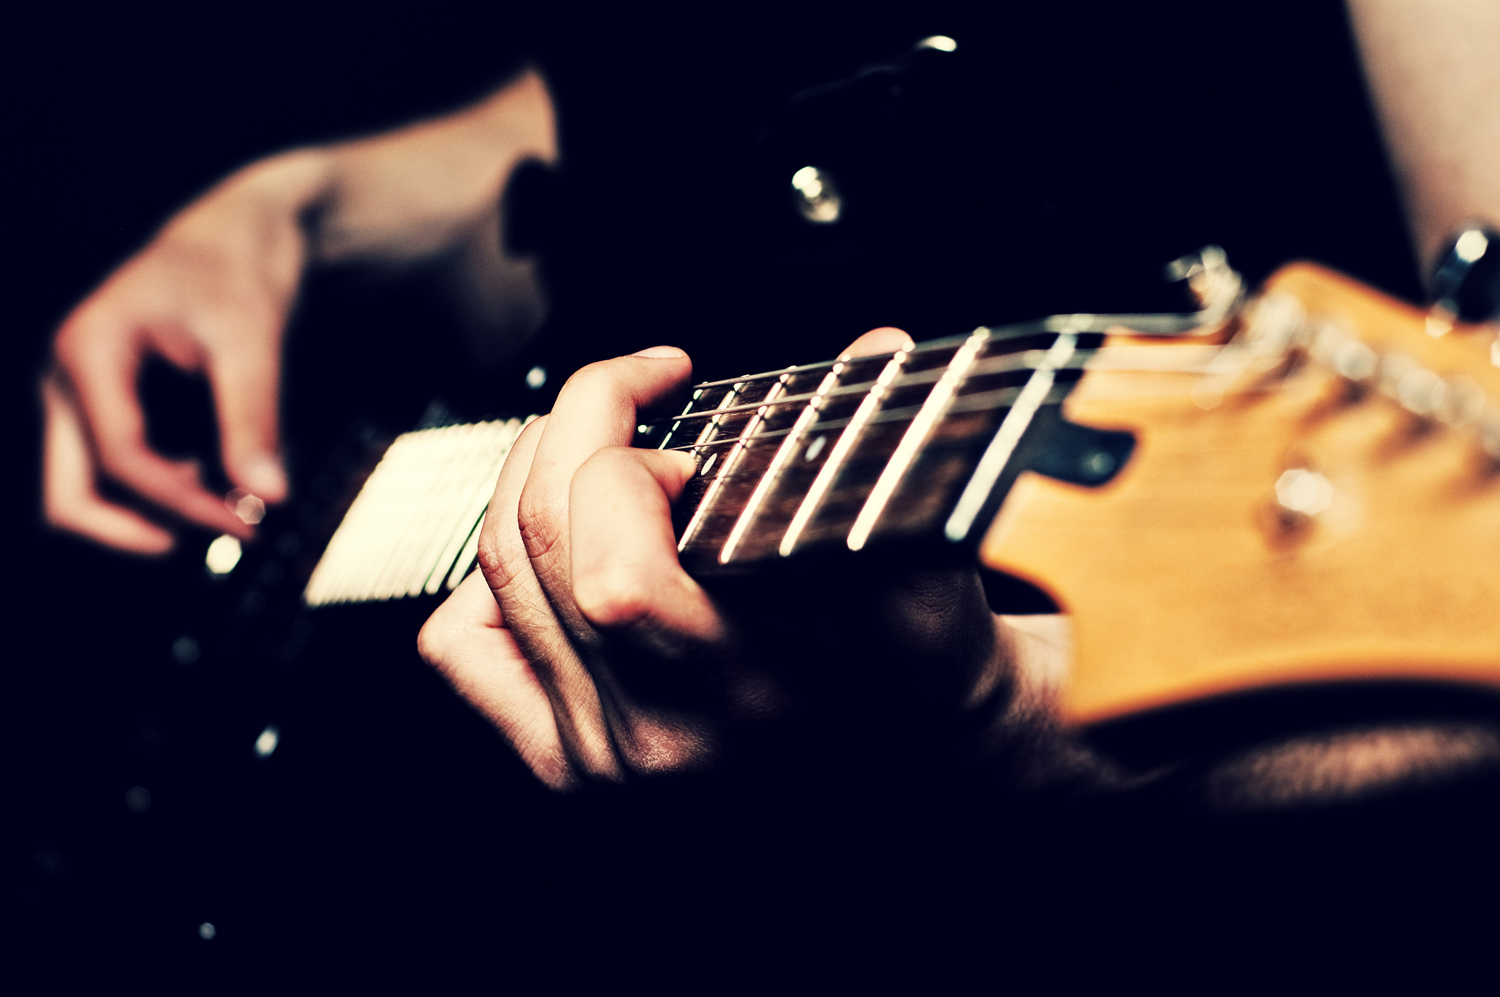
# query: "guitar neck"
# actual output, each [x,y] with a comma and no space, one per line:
[851,452]
[921,443]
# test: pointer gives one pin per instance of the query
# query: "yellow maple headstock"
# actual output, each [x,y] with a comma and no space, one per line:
[1190,575]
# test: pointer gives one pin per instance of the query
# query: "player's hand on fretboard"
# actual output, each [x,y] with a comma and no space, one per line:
[587,644]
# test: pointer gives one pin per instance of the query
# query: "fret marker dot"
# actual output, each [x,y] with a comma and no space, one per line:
[816,448]
[536,378]
[708,464]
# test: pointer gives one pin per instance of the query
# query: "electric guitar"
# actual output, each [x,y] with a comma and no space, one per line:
[1295,488]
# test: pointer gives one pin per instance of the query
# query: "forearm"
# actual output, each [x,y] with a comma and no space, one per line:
[420,190]
[1434,70]
[392,198]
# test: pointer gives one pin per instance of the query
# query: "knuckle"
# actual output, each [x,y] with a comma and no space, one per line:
[590,374]
[539,521]
[121,458]
[500,559]
[61,512]
[602,377]
[612,598]
[432,640]
[606,462]
[650,746]
[532,428]
[491,557]
[437,639]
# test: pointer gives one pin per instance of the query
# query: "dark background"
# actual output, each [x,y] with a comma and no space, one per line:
[1103,140]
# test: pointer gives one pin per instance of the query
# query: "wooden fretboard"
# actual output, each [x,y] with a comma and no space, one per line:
[868,450]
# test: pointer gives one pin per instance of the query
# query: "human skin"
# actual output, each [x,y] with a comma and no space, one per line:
[1433,68]
[212,291]
[542,675]
[581,602]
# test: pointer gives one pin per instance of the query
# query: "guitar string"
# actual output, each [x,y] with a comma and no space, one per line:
[1155,359]
[1123,359]
[1165,324]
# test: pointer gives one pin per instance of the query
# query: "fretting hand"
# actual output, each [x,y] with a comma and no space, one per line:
[584,641]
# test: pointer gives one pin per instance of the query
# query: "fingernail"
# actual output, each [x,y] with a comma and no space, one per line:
[660,352]
[263,475]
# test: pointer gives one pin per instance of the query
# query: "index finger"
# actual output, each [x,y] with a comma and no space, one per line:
[102,370]
[597,408]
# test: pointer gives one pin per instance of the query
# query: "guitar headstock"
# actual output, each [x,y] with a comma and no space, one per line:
[1320,502]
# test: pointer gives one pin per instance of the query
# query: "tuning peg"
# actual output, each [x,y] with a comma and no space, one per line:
[1463,402]
[1215,285]
[1276,324]
[816,196]
[1421,392]
[1466,281]
[1355,362]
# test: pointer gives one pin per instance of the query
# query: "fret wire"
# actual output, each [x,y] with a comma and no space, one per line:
[998,399]
[846,442]
[927,347]
[787,400]
[978,402]
[785,372]
[915,435]
[997,454]
[696,447]
[735,453]
[1185,358]
[1154,325]
[692,400]
[783,454]
[1119,359]
[712,426]
[861,387]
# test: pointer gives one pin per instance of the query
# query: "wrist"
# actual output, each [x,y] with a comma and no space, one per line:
[421,191]
[258,208]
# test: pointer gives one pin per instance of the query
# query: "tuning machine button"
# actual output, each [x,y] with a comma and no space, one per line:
[1214,284]
[1421,392]
[816,196]
[1300,495]
[1466,281]
[1355,362]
